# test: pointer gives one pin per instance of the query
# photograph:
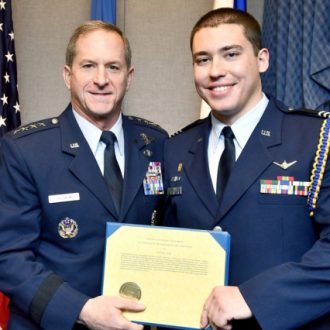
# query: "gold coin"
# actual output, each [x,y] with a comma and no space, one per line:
[130,290]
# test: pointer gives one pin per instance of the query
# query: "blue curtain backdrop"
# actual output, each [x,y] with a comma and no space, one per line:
[297,33]
[104,10]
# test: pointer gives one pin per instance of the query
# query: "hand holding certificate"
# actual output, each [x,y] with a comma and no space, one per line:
[171,271]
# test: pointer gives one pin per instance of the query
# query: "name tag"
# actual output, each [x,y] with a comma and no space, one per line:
[61,198]
[172,191]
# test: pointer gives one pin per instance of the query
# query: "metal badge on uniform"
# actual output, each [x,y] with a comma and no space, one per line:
[68,228]
[153,181]
[285,165]
[147,153]
[74,145]
[172,191]
[284,185]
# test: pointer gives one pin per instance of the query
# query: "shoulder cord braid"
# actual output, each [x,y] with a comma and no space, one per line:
[319,165]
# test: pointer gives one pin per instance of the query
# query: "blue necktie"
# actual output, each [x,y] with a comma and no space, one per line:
[112,173]
[226,162]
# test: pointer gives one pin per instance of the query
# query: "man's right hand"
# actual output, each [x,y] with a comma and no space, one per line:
[105,313]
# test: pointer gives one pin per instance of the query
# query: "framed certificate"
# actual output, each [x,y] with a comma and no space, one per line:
[170,270]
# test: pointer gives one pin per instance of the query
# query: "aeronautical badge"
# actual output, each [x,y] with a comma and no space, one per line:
[68,228]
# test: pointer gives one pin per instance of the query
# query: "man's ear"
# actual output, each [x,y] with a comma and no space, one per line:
[67,76]
[263,60]
[130,76]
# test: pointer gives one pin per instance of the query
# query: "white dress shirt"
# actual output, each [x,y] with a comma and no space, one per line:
[93,134]
[242,130]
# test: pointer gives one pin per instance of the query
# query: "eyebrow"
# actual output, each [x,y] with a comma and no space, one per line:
[221,50]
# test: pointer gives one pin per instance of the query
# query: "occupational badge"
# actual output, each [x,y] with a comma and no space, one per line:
[153,180]
[68,228]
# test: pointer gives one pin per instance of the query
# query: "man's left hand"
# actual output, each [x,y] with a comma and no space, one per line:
[224,304]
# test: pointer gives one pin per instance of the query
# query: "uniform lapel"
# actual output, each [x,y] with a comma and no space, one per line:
[83,166]
[137,157]
[197,170]
[254,159]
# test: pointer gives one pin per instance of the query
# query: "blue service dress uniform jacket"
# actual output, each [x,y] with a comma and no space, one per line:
[51,186]
[280,256]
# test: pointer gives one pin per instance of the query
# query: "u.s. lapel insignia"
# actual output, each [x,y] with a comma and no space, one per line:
[68,228]
[74,145]
[265,132]
[284,165]
[153,180]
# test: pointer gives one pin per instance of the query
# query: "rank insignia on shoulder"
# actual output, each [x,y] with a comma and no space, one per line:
[144,122]
[34,127]
[29,127]
[172,191]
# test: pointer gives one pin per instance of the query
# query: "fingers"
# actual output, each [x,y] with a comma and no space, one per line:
[204,319]
[128,304]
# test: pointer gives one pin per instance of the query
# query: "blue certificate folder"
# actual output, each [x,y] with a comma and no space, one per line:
[170,270]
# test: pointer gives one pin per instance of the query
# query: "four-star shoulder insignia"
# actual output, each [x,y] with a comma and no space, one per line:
[34,127]
[143,121]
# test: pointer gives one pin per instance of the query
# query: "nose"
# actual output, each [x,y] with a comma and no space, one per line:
[101,77]
[217,68]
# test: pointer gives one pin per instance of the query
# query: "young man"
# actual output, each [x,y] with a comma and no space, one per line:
[55,202]
[279,276]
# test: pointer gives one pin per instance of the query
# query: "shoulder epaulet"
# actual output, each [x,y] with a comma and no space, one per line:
[34,127]
[145,122]
[310,112]
[191,125]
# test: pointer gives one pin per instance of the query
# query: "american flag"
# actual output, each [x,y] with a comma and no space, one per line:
[9,105]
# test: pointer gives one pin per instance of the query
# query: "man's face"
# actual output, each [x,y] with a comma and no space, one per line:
[226,70]
[98,77]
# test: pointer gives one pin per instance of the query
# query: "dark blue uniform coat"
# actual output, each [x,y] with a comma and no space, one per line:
[49,278]
[280,257]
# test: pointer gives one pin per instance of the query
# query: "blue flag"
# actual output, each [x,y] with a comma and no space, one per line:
[9,105]
[240,4]
[104,10]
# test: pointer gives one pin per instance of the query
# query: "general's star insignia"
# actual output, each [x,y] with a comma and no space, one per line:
[284,165]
